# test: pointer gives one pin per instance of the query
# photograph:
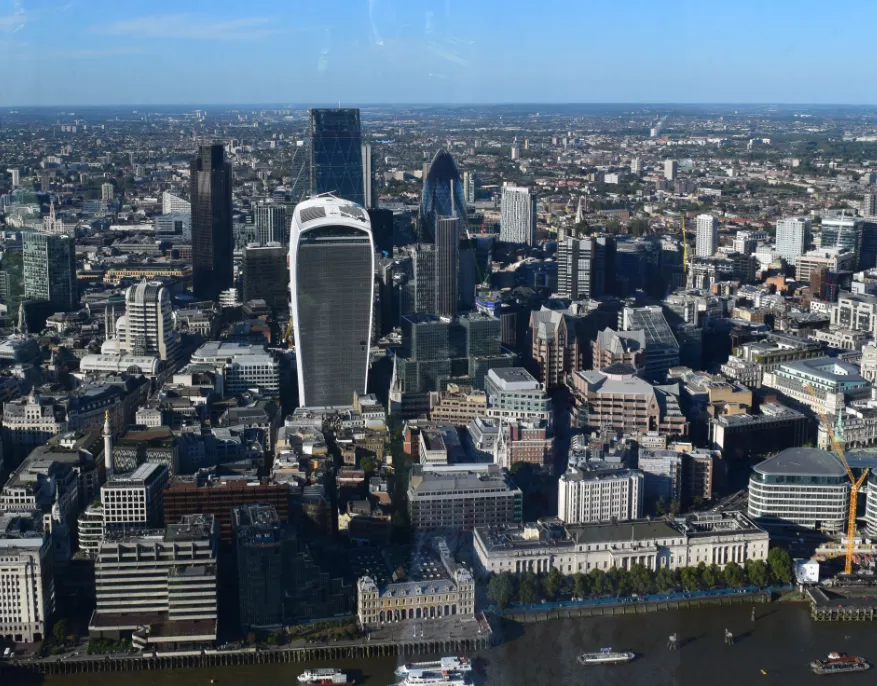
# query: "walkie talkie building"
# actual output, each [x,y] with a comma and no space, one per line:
[331,265]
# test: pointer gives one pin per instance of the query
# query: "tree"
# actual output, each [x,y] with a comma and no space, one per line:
[641,579]
[661,506]
[527,589]
[368,464]
[624,585]
[712,576]
[780,565]
[665,580]
[552,583]
[689,578]
[733,574]
[675,506]
[61,631]
[600,584]
[501,589]
[581,585]
[757,573]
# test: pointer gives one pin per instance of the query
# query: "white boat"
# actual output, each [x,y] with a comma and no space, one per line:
[606,656]
[324,676]
[445,664]
[419,677]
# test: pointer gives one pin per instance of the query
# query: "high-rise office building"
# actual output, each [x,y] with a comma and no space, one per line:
[582,267]
[368,177]
[671,170]
[447,265]
[50,269]
[469,186]
[869,205]
[518,215]
[841,232]
[212,240]
[331,261]
[443,194]
[172,204]
[259,545]
[707,235]
[336,154]
[15,175]
[107,191]
[793,235]
[266,274]
[148,324]
[271,224]
[382,229]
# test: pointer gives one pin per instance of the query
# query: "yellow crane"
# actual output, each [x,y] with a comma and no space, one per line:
[855,484]
[684,247]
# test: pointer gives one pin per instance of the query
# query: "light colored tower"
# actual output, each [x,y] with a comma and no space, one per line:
[331,270]
[108,445]
[707,235]
[671,169]
[518,215]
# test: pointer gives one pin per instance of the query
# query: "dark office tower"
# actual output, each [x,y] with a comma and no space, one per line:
[443,194]
[336,154]
[382,229]
[49,269]
[332,266]
[271,225]
[583,267]
[259,546]
[423,285]
[868,250]
[266,275]
[468,274]
[212,240]
[447,265]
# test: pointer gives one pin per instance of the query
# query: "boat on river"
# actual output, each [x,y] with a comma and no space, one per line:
[420,677]
[445,664]
[325,676]
[606,656]
[838,663]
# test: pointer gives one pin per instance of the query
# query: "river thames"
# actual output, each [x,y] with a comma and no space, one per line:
[781,642]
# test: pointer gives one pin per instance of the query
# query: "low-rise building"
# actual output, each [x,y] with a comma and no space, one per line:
[528,442]
[462,497]
[833,381]
[711,538]
[434,586]
[800,487]
[158,586]
[514,394]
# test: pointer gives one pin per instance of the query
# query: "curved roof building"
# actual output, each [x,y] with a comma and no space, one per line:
[800,487]
[331,267]
[443,194]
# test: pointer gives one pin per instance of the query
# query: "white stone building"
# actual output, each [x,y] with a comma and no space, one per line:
[604,495]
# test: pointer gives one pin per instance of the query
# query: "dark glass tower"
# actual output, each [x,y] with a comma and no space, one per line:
[332,266]
[443,194]
[447,265]
[336,154]
[49,269]
[212,240]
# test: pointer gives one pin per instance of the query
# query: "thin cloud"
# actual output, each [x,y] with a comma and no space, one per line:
[13,22]
[126,50]
[191,27]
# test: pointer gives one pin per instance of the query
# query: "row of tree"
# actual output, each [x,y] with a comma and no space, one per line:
[527,587]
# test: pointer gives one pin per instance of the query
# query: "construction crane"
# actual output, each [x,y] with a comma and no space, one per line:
[684,247]
[855,484]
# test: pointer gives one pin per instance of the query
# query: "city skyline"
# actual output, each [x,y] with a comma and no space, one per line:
[427,52]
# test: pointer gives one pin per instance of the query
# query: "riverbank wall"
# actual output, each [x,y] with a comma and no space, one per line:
[609,607]
[229,658]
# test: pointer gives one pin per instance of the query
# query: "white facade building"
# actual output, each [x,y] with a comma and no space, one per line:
[707,235]
[135,498]
[671,170]
[148,325]
[241,365]
[27,593]
[518,215]
[711,538]
[586,496]
[171,204]
[805,487]
[793,235]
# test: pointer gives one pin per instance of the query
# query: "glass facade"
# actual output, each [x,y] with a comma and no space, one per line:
[336,154]
[212,236]
[443,194]
[49,268]
[332,301]
[841,232]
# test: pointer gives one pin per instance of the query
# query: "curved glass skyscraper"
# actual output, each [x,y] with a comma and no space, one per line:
[443,194]
[331,268]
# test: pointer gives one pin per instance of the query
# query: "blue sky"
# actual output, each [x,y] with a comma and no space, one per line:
[82,52]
